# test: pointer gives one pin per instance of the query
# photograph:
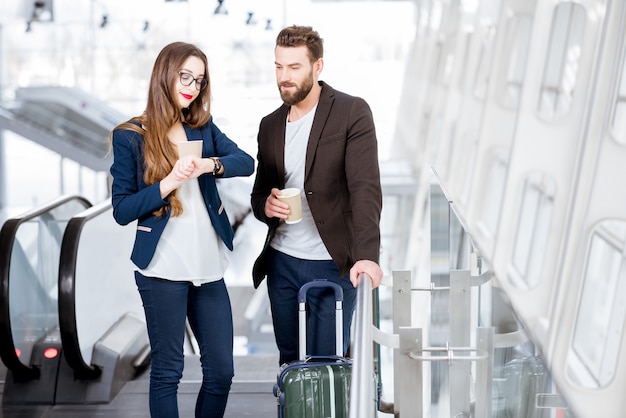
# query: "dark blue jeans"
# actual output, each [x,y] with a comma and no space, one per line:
[167,304]
[286,275]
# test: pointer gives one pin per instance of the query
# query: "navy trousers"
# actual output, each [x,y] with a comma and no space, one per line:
[167,304]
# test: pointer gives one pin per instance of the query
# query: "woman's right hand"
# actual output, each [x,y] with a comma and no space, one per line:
[180,173]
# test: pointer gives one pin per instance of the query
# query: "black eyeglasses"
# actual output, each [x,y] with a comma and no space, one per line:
[186,79]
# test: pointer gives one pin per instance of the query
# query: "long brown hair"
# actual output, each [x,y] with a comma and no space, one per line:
[163,111]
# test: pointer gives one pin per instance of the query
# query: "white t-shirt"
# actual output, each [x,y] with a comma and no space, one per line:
[189,248]
[301,240]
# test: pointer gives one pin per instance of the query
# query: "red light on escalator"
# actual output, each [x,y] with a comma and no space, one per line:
[50,352]
[18,352]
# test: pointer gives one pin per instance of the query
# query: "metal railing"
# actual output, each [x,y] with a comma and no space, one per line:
[363,398]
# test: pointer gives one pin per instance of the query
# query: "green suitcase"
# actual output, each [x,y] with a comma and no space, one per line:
[315,387]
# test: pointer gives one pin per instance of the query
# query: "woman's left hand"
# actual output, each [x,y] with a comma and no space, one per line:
[200,166]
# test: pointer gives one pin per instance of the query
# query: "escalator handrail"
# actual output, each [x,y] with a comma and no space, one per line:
[21,371]
[67,293]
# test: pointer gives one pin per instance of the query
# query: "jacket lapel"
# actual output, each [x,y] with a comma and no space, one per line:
[319,121]
[278,144]
[192,133]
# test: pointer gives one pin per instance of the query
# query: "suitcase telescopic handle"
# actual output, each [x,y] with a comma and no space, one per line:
[302,316]
[320,283]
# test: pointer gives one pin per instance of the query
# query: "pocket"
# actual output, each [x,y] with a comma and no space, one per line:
[332,138]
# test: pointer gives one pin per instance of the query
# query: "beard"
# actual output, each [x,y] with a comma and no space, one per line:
[300,94]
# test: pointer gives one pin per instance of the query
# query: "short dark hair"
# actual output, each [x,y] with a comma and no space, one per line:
[294,35]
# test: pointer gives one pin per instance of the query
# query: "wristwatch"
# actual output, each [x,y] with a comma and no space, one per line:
[217,165]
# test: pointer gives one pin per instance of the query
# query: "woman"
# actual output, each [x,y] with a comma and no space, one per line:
[181,226]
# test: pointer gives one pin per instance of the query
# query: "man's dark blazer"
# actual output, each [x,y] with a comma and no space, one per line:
[132,199]
[341,179]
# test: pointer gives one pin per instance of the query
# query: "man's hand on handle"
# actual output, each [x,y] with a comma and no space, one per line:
[368,267]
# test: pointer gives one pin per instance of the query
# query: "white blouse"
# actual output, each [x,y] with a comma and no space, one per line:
[189,248]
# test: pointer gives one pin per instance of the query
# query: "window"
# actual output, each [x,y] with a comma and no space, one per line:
[517,43]
[495,181]
[561,68]
[602,307]
[481,78]
[532,230]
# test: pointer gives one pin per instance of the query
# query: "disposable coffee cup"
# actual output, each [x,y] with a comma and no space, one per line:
[291,196]
[189,148]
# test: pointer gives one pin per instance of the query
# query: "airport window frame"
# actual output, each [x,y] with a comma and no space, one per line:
[532,231]
[516,49]
[558,83]
[482,74]
[494,185]
[599,324]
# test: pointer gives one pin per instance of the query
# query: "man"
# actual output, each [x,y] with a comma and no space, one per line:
[323,142]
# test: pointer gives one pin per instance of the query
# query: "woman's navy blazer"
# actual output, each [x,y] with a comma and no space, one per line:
[133,199]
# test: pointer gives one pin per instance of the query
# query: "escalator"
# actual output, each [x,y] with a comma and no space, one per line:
[102,327]
[30,345]
[71,325]
[67,121]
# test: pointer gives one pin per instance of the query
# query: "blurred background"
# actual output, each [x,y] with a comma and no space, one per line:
[502,145]
[106,49]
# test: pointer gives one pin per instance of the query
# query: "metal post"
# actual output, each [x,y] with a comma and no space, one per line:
[401,300]
[401,318]
[408,387]
[460,376]
[484,373]
[460,306]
